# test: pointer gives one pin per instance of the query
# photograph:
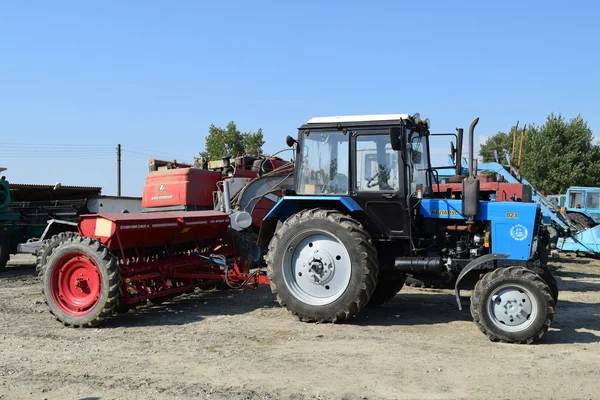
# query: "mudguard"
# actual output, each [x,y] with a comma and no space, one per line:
[290,205]
[482,262]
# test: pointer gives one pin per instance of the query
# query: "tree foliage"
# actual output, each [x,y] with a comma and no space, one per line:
[229,141]
[556,155]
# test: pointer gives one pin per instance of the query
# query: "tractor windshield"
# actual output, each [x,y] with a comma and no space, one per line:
[417,154]
[323,166]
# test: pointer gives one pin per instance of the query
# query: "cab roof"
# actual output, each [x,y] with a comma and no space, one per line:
[358,118]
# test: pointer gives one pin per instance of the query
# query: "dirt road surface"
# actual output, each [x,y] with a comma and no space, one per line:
[241,345]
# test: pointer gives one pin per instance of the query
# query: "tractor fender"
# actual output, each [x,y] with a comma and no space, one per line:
[290,205]
[484,262]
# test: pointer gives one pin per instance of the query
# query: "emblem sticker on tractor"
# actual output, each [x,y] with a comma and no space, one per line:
[518,232]
[511,215]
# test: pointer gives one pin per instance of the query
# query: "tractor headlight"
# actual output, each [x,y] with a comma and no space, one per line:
[417,118]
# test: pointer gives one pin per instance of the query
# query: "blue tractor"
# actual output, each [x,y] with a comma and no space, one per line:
[583,204]
[362,216]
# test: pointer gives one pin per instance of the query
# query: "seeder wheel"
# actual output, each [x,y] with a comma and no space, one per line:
[81,282]
[47,248]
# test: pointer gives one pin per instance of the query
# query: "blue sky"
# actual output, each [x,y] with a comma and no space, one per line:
[76,78]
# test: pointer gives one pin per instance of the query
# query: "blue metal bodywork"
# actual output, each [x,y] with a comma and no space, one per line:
[513,224]
[290,205]
[587,240]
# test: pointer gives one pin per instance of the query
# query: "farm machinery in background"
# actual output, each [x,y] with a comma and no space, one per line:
[25,224]
[337,239]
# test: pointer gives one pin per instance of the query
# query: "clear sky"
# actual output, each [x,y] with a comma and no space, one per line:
[76,78]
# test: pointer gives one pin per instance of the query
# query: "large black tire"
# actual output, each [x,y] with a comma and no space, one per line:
[581,219]
[105,264]
[4,251]
[247,247]
[550,280]
[385,290]
[543,255]
[350,236]
[48,246]
[519,280]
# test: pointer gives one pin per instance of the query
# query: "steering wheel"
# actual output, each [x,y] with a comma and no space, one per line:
[369,184]
[382,185]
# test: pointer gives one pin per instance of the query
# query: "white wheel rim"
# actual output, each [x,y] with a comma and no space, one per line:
[512,307]
[316,267]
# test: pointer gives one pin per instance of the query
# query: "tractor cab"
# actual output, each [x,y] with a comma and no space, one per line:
[377,161]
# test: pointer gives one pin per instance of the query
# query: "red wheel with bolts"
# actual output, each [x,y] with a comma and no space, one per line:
[81,282]
[76,284]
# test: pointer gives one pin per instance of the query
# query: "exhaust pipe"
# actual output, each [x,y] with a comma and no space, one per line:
[420,265]
[470,185]
[471,145]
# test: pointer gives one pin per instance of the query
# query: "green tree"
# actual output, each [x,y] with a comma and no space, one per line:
[556,155]
[253,142]
[229,141]
[500,143]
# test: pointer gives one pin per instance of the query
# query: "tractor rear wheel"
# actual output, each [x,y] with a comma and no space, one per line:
[385,290]
[4,252]
[82,282]
[512,305]
[46,250]
[322,266]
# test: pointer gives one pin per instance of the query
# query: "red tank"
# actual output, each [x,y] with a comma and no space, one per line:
[177,187]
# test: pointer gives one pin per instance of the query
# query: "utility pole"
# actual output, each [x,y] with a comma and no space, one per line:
[119,170]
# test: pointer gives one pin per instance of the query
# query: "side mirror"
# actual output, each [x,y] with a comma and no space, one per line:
[290,141]
[453,152]
[396,138]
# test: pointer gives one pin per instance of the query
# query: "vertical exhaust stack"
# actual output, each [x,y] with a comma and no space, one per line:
[470,185]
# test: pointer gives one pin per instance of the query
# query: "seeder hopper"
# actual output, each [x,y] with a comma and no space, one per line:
[118,261]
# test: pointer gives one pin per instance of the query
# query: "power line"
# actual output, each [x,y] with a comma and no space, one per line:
[141,150]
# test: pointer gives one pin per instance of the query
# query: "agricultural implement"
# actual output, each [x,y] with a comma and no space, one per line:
[198,229]
[339,240]
[118,261]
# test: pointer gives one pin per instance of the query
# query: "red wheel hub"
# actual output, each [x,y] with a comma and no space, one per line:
[76,284]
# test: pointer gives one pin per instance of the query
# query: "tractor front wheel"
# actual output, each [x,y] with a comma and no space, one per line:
[322,266]
[512,305]
[82,282]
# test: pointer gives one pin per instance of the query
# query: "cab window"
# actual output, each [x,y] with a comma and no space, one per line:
[376,164]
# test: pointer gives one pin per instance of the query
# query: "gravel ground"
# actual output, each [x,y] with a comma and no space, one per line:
[241,345]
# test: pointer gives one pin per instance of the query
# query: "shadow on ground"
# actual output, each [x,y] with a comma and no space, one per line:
[18,272]
[572,320]
[189,308]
